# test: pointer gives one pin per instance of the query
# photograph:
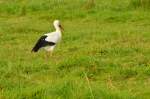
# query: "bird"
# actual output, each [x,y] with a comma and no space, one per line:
[48,41]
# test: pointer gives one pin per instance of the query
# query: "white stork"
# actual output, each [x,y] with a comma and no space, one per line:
[49,40]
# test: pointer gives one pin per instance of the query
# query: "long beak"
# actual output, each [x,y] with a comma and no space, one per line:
[61,28]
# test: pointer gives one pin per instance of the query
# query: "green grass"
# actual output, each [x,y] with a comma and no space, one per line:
[144,4]
[108,40]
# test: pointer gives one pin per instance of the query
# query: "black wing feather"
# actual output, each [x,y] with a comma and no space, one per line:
[42,43]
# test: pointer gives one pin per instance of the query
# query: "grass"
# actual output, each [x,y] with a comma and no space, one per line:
[104,51]
[141,4]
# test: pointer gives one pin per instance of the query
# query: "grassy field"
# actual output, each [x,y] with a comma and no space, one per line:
[104,52]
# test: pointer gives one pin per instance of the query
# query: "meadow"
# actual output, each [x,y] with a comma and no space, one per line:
[104,52]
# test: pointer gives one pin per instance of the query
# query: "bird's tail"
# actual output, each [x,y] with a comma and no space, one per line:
[38,44]
[35,49]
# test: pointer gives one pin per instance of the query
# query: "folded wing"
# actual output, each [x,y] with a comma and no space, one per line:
[42,42]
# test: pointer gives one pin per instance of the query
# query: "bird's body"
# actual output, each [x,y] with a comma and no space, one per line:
[49,40]
[54,37]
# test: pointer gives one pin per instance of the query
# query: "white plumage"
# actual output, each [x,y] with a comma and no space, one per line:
[52,37]
[49,40]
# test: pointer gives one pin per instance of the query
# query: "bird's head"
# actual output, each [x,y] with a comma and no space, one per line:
[57,25]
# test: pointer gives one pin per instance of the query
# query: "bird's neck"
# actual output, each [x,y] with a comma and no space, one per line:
[58,29]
